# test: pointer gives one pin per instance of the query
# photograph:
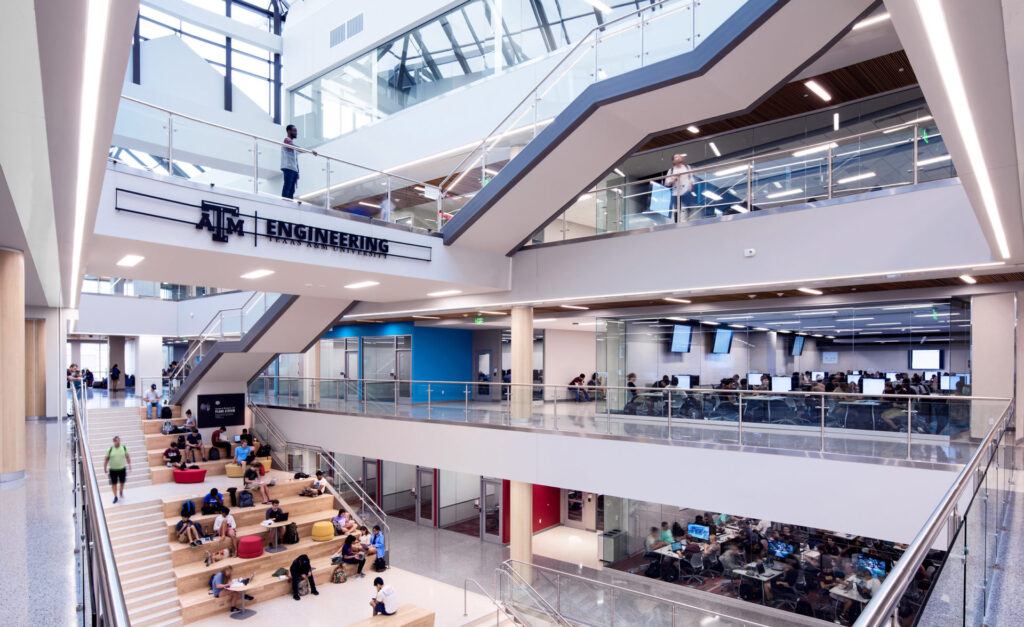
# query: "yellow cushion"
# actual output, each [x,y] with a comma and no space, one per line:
[233,470]
[323,531]
[266,461]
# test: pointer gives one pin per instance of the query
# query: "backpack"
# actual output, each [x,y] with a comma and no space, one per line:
[167,428]
[671,573]
[165,411]
[188,508]
[233,493]
[653,570]
[338,576]
[301,475]
[263,451]
[214,454]
[303,587]
[380,565]
[291,534]
[209,508]
[245,499]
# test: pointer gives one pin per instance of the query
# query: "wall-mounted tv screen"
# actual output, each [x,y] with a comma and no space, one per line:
[798,346]
[681,335]
[723,342]
[926,359]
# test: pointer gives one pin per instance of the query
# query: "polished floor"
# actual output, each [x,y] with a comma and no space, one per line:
[37,558]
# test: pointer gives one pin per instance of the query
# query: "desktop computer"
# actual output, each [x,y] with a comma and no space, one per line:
[698,532]
[873,564]
[780,549]
[782,384]
[817,376]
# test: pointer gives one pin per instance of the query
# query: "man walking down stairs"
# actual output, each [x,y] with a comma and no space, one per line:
[125,422]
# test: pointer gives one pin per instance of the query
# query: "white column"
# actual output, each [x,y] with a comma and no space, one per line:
[522,363]
[993,354]
[149,362]
[521,521]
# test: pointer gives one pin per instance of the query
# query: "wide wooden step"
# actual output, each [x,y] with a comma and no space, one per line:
[285,488]
[244,516]
[152,427]
[163,474]
[166,618]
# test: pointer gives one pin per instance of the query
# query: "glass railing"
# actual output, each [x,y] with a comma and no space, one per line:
[895,156]
[117,286]
[171,144]
[644,36]
[102,597]
[935,429]
[226,324]
[969,523]
[529,606]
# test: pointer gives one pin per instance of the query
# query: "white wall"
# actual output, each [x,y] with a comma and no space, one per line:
[567,354]
[149,360]
[105,314]
[777,487]
[993,352]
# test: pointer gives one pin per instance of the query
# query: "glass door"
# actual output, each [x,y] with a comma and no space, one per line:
[403,357]
[379,369]
[369,479]
[425,496]
[483,374]
[574,508]
[490,510]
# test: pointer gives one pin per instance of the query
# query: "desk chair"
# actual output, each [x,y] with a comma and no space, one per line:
[692,569]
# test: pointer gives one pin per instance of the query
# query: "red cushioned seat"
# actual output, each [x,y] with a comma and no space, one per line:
[250,546]
[195,475]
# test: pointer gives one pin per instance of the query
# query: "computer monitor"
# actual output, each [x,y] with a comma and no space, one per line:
[947,382]
[698,532]
[676,546]
[818,376]
[855,372]
[681,335]
[853,378]
[780,549]
[798,346]
[874,387]
[926,359]
[873,564]
[684,381]
[754,378]
[928,374]
[238,438]
[966,376]
[782,384]
[892,376]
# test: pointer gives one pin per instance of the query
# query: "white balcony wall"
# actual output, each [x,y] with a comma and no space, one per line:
[775,487]
[104,314]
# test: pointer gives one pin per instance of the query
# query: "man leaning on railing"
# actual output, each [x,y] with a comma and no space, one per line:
[290,162]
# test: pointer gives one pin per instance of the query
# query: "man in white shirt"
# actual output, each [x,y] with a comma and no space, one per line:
[152,400]
[384,601]
[679,179]
[224,527]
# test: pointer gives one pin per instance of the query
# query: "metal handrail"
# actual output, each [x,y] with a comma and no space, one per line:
[884,605]
[261,420]
[507,569]
[916,397]
[268,140]
[465,601]
[532,93]
[95,537]
[207,333]
[557,573]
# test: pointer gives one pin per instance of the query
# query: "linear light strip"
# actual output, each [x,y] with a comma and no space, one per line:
[933,21]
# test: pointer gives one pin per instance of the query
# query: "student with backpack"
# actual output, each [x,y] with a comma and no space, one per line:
[301,570]
[189,532]
[217,442]
[212,502]
[117,463]
[224,527]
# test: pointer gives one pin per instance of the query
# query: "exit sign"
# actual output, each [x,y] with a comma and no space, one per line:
[478,320]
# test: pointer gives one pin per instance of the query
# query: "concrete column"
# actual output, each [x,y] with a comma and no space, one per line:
[1019,369]
[12,354]
[993,355]
[520,520]
[522,363]
[115,355]
[35,368]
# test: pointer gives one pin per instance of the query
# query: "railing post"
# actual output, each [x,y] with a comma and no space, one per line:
[554,405]
[909,432]
[750,190]
[739,418]
[327,183]
[170,145]
[916,156]
[829,172]
[428,401]
[558,593]
[822,449]
[668,412]
[466,394]
[255,166]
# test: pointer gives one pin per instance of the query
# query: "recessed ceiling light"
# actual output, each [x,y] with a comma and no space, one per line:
[678,319]
[369,204]
[257,274]
[714,149]
[681,301]
[856,177]
[815,149]
[545,319]
[692,129]
[492,313]
[576,307]
[711,195]
[854,319]
[427,317]
[130,261]
[761,329]
[835,121]
[737,326]
[444,293]
[871,21]
[932,160]
[740,209]
[933,19]
[818,90]
[968,279]
[619,172]
[788,192]
[361,284]
[809,290]
[711,322]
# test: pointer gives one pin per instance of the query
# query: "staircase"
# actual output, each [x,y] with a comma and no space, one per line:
[138,534]
[103,425]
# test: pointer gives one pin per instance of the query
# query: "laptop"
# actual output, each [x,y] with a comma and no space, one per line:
[283,516]
[677,546]
[238,438]
[244,581]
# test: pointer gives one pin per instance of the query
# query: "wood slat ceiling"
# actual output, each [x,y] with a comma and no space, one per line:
[861,80]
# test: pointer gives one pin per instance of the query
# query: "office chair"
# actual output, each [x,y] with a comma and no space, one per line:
[692,569]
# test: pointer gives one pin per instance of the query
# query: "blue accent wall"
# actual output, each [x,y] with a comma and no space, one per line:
[438,354]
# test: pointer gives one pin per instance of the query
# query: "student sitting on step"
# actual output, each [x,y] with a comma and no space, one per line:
[252,482]
[172,455]
[220,584]
[189,532]
[224,527]
[343,523]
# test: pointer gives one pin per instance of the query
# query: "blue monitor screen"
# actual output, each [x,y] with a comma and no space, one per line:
[723,342]
[661,199]
[700,532]
[676,546]
[876,566]
[780,549]
[798,346]
[681,338]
